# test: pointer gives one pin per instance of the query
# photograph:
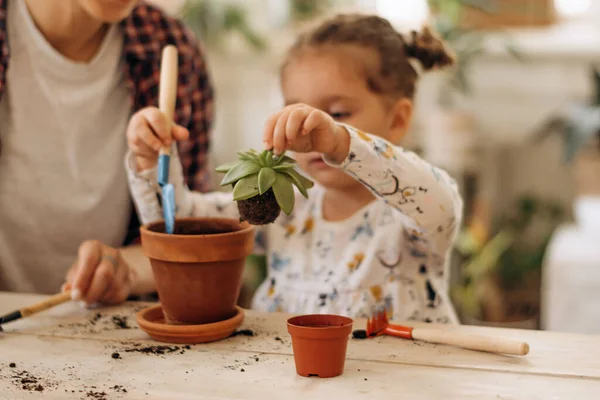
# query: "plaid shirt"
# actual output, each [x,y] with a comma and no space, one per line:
[146,31]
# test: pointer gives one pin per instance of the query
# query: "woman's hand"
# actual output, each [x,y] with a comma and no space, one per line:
[99,275]
[305,129]
[148,131]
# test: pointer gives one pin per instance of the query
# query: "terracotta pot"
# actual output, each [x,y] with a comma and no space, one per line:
[319,343]
[198,269]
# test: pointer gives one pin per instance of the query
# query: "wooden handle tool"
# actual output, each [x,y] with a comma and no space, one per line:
[379,325]
[36,308]
[167,95]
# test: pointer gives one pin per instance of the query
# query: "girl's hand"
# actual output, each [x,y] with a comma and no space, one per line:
[305,129]
[147,132]
[99,275]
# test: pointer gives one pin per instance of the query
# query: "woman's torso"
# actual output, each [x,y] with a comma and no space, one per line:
[62,180]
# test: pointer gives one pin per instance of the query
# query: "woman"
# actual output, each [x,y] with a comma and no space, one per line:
[75,76]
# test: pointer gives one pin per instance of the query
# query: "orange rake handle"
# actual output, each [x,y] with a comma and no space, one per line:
[404,332]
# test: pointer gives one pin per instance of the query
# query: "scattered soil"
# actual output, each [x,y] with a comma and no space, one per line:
[100,322]
[244,332]
[120,322]
[359,334]
[157,350]
[27,381]
[242,370]
[278,339]
[40,381]
[116,356]
[119,389]
[95,318]
[96,395]
[240,364]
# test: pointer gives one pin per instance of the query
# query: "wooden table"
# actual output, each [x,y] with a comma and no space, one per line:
[68,352]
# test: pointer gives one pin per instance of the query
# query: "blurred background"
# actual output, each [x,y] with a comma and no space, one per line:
[516,122]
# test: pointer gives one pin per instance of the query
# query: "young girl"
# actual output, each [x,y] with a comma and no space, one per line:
[377,228]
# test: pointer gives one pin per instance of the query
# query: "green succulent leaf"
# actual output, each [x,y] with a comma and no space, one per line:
[301,182]
[241,170]
[262,159]
[243,156]
[284,167]
[226,167]
[284,193]
[246,188]
[266,178]
[248,155]
[270,160]
[284,159]
[293,178]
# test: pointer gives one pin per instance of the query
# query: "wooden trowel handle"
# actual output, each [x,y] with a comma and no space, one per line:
[167,95]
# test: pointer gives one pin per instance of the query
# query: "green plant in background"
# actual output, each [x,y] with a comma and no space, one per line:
[578,125]
[511,254]
[467,44]
[263,185]
[303,10]
[211,20]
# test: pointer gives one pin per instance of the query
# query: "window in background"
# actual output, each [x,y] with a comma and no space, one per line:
[410,14]
[572,8]
[414,12]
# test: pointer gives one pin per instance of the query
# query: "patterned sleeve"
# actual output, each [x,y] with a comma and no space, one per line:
[409,184]
[194,151]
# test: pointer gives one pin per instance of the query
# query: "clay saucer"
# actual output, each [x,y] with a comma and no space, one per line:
[152,321]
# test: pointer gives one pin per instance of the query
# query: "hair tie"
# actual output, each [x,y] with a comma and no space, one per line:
[417,65]
[409,39]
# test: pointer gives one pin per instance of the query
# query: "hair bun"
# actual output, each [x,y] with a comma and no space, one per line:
[428,49]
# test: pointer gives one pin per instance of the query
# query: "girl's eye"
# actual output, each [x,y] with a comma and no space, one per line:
[340,115]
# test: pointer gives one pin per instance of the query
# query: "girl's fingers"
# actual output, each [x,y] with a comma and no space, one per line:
[144,152]
[325,139]
[145,137]
[294,124]
[158,124]
[313,121]
[279,138]
[87,261]
[268,131]
[179,132]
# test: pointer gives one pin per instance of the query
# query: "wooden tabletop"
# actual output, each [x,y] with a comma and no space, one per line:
[68,353]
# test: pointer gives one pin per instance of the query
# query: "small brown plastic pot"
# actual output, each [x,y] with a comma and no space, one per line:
[198,269]
[319,343]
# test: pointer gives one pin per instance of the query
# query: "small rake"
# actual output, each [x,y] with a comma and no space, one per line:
[379,325]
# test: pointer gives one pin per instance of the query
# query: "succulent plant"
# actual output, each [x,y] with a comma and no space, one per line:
[263,185]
